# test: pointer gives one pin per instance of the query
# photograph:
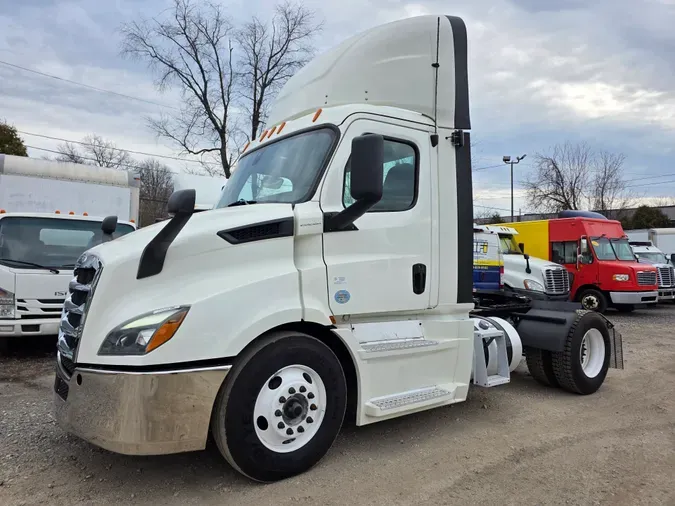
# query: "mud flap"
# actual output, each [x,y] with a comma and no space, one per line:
[616,345]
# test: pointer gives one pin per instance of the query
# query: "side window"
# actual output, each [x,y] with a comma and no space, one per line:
[564,252]
[399,191]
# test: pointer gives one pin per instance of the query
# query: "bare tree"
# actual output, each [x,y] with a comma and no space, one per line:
[271,53]
[608,192]
[561,178]
[94,150]
[192,50]
[156,188]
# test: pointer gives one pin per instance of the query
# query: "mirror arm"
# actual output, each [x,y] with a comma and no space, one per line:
[344,220]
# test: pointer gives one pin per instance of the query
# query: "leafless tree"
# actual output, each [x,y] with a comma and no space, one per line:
[156,188]
[94,150]
[560,178]
[271,53]
[192,50]
[608,193]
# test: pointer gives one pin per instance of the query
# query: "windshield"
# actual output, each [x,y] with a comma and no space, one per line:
[284,171]
[508,245]
[652,256]
[612,249]
[49,242]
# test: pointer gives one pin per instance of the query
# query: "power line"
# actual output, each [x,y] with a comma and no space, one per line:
[110,148]
[86,85]
[488,167]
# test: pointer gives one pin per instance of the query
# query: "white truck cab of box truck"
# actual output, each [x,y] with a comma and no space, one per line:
[333,278]
[647,253]
[50,213]
[527,275]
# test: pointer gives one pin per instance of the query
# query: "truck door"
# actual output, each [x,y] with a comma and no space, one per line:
[385,263]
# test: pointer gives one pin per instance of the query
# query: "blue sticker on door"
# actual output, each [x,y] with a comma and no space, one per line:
[342,296]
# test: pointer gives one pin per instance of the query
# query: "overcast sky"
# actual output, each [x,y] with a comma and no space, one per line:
[541,72]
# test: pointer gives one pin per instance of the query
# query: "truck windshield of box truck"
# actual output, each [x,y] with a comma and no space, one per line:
[612,249]
[508,245]
[49,243]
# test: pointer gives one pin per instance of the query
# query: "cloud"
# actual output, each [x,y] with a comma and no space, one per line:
[540,73]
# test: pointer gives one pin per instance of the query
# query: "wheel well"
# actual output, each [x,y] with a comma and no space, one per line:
[324,334]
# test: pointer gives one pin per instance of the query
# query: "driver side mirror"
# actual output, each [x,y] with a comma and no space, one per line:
[366,182]
[672,258]
[521,245]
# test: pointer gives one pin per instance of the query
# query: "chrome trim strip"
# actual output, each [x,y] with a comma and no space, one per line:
[155,373]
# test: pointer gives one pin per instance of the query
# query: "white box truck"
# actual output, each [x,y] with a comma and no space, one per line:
[333,279]
[661,238]
[50,213]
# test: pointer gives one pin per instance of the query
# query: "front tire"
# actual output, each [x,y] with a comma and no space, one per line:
[281,407]
[593,300]
[583,364]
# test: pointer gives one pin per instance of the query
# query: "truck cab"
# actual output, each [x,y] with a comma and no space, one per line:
[38,253]
[528,275]
[647,253]
[596,252]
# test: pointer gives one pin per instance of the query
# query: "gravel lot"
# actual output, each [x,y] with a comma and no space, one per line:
[517,444]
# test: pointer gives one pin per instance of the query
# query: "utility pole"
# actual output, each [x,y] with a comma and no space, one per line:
[507,160]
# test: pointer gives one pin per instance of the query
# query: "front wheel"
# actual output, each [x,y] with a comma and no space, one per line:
[593,300]
[583,364]
[281,407]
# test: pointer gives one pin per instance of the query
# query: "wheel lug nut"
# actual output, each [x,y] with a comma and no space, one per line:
[281,425]
[277,412]
[301,429]
[303,390]
[291,390]
[289,432]
[282,399]
[313,407]
[310,395]
[310,419]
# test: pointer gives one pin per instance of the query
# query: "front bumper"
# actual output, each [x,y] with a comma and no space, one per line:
[531,294]
[634,298]
[138,413]
[28,328]
[666,293]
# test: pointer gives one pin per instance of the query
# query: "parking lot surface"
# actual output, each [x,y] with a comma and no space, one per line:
[516,444]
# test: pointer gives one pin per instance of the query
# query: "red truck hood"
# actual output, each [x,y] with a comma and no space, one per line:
[633,266]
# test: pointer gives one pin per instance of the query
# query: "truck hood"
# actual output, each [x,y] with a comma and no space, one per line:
[518,262]
[198,236]
[621,266]
[35,283]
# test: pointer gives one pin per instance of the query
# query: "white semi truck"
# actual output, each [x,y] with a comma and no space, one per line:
[661,238]
[534,277]
[51,212]
[333,279]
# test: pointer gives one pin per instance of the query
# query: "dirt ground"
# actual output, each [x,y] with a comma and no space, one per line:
[518,444]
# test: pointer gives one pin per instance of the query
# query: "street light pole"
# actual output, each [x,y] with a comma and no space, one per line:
[507,159]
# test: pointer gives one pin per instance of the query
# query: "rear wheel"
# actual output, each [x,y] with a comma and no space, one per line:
[540,365]
[281,407]
[593,300]
[583,364]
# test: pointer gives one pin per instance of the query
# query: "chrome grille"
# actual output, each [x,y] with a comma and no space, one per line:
[666,276]
[646,278]
[557,280]
[80,291]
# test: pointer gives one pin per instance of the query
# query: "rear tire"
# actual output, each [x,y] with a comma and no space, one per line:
[281,407]
[540,365]
[582,367]
[593,300]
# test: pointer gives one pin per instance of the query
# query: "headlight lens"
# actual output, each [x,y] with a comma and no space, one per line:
[7,304]
[620,277]
[144,333]
[535,286]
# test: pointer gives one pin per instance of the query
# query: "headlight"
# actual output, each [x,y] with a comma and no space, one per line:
[533,285]
[620,277]
[7,304]
[144,333]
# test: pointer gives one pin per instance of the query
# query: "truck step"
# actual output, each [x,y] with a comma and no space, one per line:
[407,401]
[485,336]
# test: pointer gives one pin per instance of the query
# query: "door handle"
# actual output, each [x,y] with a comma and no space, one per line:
[419,274]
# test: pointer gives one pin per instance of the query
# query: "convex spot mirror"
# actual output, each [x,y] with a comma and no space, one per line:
[182,202]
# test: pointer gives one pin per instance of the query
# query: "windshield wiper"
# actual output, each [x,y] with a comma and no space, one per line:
[32,264]
[241,202]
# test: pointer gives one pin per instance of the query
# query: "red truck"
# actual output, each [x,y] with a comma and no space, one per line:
[604,271]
